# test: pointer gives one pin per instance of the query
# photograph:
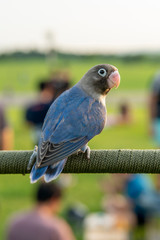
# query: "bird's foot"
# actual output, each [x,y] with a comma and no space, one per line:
[32,159]
[86,149]
[88,152]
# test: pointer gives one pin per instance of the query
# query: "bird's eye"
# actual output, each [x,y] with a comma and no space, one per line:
[102,72]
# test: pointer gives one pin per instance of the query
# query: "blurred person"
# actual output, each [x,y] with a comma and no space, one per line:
[36,113]
[118,206]
[115,222]
[75,215]
[61,81]
[141,192]
[139,188]
[124,116]
[41,222]
[154,108]
[60,86]
[6,132]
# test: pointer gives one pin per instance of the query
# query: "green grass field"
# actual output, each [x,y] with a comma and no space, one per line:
[22,76]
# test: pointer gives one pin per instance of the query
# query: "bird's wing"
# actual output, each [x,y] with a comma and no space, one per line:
[51,153]
[64,107]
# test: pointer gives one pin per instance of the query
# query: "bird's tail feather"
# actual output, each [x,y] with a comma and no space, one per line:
[37,173]
[54,171]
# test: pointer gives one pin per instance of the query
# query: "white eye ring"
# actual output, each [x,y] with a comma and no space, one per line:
[102,72]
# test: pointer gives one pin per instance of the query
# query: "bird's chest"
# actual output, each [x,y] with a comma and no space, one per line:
[95,118]
[99,115]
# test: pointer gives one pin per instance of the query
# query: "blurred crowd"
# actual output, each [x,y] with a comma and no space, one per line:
[130,209]
[131,204]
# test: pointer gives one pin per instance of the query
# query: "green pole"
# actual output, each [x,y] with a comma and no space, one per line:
[101,161]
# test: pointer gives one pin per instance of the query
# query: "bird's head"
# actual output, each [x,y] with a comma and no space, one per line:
[100,79]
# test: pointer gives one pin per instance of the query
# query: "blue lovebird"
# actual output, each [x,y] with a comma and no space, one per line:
[73,119]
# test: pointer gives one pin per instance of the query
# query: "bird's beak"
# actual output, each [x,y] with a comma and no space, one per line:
[114,79]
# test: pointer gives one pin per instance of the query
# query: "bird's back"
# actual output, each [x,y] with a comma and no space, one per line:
[72,115]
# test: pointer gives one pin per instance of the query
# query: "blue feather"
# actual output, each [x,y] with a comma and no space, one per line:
[54,170]
[54,155]
[37,173]
[73,115]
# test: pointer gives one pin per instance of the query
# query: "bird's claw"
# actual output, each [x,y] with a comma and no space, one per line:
[32,158]
[86,149]
[88,152]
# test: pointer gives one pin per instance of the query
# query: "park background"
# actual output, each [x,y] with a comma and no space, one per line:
[21,72]
[38,37]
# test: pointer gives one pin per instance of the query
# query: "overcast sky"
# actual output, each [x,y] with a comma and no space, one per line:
[86,25]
